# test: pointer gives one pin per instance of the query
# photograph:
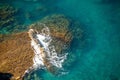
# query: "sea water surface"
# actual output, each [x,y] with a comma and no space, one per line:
[97,55]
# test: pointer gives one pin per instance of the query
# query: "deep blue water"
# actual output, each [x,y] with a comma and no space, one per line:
[97,55]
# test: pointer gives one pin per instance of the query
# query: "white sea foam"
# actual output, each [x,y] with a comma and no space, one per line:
[41,45]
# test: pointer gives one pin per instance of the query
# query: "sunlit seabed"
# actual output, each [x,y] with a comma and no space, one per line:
[99,58]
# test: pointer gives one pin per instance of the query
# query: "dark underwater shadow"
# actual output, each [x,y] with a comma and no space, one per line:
[5,76]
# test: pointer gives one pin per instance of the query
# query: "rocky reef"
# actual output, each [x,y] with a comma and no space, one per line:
[16,54]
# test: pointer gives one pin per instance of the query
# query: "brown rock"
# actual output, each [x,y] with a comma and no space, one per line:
[16,54]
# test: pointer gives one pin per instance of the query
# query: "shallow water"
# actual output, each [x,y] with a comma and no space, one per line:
[97,55]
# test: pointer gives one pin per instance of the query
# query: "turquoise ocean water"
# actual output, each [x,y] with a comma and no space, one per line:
[94,57]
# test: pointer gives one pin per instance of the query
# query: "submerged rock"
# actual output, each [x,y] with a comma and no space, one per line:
[6,12]
[9,20]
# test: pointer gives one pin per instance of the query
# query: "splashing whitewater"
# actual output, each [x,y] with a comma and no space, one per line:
[43,49]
